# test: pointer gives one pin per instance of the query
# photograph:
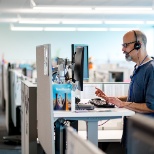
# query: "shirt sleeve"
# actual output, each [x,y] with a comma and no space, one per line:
[150,89]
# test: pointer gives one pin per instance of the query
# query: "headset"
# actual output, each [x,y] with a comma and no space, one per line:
[137,44]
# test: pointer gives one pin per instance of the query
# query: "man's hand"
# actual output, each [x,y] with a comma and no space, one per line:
[116,101]
[113,100]
[100,93]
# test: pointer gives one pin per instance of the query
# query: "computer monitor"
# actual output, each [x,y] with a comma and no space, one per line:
[78,145]
[116,76]
[78,67]
[85,63]
[140,137]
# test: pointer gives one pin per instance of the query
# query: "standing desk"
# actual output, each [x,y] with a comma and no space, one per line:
[46,116]
[92,118]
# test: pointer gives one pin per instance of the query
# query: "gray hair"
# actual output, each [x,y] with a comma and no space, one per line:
[141,36]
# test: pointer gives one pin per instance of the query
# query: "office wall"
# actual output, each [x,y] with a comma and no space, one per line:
[103,46]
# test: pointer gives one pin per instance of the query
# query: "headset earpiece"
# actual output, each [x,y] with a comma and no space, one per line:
[137,44]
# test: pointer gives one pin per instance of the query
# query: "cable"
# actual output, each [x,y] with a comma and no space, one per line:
[104,122]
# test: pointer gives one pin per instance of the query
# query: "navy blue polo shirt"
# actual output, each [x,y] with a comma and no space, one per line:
[141,89]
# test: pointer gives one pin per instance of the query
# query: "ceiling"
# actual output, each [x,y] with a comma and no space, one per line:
[14,12]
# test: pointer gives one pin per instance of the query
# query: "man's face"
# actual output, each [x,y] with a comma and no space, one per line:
[128,46]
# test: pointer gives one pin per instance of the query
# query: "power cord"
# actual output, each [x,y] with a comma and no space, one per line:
[104,122]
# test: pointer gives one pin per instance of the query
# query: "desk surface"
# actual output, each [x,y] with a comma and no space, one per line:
[92,118]
[114,112]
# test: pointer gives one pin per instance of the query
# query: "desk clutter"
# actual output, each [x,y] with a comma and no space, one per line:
[92,104]
[97,102]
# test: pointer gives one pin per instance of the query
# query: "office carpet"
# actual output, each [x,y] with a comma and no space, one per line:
[6,148]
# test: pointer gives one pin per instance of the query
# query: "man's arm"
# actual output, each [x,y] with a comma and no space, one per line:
[138,107]
[123,98]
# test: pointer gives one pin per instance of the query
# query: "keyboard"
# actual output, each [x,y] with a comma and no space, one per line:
[97,102]
[84,106]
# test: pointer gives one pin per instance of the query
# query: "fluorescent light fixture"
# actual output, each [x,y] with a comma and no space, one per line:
[38,21]
[93,10]
[81,22]
[120,29]
[8,20]
[59,29]
[26,28]
[58,21]
[92,29]
[149,22]
[66,29]
[123,22]
[63,8]
[13,28]
[123,8]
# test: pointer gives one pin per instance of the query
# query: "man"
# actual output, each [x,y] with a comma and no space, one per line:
[141,90]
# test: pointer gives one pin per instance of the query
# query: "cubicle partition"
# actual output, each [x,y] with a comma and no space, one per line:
[29,118]
[15,88]
[77,145]
[115,89]
[44,99]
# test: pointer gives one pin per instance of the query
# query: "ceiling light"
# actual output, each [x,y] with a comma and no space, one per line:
[96,10]
[123,8]
[120,29]
[92,29]
[13,28]
[38,21]
[81,22]
[58,21]
[124,22]
[63,8]
[59,29]
[12,20]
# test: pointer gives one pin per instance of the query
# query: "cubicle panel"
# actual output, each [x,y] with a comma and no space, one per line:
[12,88]
[15,94]
[78,145]
[110,88]
[116,89]
[1,84]
[44,99]
[6,94]
[23,118]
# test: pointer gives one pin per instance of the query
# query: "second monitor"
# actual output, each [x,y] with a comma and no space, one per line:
[77,75]
[85,61]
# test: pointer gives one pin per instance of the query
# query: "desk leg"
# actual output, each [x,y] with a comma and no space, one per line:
[92,132]
[60,138]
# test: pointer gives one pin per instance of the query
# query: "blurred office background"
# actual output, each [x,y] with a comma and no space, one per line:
[100,25]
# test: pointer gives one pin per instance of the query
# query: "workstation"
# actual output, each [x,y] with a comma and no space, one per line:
[42,123]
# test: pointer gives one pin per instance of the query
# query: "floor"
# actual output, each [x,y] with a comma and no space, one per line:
[6,148]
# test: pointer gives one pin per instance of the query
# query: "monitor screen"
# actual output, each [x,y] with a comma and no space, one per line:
[116,76]
[140,137]
[78,67]
[85,63]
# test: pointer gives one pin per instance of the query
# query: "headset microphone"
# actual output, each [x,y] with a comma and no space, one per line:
[130,51]
[128,58]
